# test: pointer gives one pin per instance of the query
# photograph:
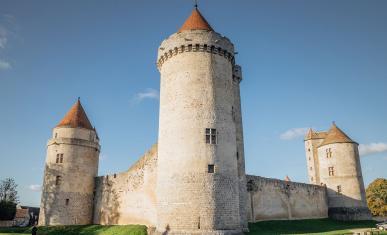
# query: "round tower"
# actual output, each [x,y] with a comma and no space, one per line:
[197,182]
[71,165]
[340,171]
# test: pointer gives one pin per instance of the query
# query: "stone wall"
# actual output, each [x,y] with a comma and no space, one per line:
[272,199]
[128,197]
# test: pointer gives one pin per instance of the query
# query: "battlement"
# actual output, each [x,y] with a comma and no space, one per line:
[188,47]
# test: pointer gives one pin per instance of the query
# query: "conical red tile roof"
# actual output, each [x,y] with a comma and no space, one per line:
[195,21]
[336,135]
[76,117]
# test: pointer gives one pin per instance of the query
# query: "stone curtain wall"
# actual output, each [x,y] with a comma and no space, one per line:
[128,197]
[272,199]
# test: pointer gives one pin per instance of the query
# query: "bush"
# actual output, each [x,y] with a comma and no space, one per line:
[377,197]
[7,210]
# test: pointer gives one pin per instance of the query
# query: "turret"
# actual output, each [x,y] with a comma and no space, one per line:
[340,171]
[199,130]
[71,165]
[313,139]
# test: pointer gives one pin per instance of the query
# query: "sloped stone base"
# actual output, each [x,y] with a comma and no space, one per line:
[349,214]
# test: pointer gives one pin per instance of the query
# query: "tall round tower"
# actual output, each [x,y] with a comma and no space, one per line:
[71,165]
[340,171]
[197,182]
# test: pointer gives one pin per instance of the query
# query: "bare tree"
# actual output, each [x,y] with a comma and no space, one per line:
[8,191]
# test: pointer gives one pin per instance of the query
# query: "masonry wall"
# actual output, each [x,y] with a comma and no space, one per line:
[272,199]
[128,197]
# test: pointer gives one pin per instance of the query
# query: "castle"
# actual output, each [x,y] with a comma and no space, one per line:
[193,180]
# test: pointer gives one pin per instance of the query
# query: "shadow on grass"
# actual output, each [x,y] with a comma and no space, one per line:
[323,226]
[82,230]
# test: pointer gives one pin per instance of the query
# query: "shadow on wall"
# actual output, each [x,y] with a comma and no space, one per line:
[110,206]
[350,209]
[49,195]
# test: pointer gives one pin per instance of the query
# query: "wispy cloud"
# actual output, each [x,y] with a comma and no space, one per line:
[3,37]
[4,65]
[148,93]
[367,149]
[35,187]
[294,133]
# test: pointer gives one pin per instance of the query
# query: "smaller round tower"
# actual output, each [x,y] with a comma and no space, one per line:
[71,165]
[340,171]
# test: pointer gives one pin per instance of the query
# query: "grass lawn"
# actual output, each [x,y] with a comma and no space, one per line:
[313,226]
[80,230]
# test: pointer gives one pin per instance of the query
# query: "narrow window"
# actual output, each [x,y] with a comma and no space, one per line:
[190,47]
[210,136]
[211,168]
[331,171]
[56,135]
[58,180]
[67,201]
[61,158]
[237,155]
[196,47]
[115,175]
[57,158]
[338,189]
[328,152]
[205,47]
[309,150]
[233,113]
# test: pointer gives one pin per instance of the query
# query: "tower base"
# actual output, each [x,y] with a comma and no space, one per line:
[349,213]
[153,231]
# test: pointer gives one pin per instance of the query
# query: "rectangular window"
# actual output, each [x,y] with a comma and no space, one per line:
[331,171]
[210,136]
[338,189]
[58,180]
[57,158]
[328,152]
[67,201]
[61,158]
[237,155]
[211,168]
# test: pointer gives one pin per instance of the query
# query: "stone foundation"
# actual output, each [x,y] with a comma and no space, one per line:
[349,214]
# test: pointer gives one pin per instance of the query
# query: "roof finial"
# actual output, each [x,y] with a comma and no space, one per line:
[79,98]
[196,4]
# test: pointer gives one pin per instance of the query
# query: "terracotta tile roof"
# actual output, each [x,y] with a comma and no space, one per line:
[287,179]
[21,213]
[335,135]
[195,21]
[76,117]
[311,134]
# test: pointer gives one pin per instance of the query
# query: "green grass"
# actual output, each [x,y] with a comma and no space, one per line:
[313,226]
[80,230]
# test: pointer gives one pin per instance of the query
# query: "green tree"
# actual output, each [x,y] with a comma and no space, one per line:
[8,199]
[8,190]
[377,197]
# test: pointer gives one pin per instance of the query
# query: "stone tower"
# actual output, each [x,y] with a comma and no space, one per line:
[71,165]
[335,157]
[200,153]
[313,139]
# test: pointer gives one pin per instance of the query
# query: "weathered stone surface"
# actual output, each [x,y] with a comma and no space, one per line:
[272,199]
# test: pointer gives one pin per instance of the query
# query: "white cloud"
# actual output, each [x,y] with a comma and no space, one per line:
[148,93]
[35,187]
[367,149]
[3,37]
[294,133]
[4,65]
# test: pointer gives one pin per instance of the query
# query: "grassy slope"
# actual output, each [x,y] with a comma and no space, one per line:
[81,230]
[315,226]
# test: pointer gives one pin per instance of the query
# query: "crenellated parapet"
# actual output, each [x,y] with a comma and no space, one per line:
[195,41]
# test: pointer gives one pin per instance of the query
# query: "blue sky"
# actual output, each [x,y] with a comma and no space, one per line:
[306,63]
